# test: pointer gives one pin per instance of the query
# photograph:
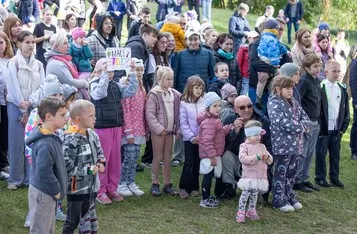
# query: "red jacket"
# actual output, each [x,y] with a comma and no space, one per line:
[211,139]
[243,60]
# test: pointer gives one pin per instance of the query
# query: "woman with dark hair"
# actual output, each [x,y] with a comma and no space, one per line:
[69,23]
[103,38]
[12,28]
[159,51]
[323,41]
[25,76]
[223,52]
[6,53]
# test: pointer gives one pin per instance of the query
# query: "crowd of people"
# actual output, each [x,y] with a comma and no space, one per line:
[237,106]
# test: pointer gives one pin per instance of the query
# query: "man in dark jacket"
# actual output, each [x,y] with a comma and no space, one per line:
[353,90]
[334,120]
[145,15]
[294,11]
[139,49]
[231,169]
[257,65]
[28,8]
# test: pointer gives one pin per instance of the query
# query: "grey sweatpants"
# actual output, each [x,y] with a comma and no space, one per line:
[42,212]
[305,161]
[230,168]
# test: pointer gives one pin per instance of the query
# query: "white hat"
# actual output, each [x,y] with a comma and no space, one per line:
[191,32]
[138,62]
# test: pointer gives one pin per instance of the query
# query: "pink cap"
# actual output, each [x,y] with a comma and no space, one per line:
[78,32]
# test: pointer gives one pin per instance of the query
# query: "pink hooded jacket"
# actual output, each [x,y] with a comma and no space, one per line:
[155,111]
[253,168]
[211,137]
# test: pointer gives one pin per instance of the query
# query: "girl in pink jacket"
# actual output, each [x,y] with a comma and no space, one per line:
[211,143]
[255,160]
[134,133]
[162,116]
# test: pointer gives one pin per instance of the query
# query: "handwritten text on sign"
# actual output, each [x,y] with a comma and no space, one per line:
[118,58]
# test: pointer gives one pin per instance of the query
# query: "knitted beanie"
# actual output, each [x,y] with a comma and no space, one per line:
[271,24]
[68,91]
[323,26]
[51,86]
[78,32]
[289,69]
[228,90]
[209,98]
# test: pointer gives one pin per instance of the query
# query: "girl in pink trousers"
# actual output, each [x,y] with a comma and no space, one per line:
[106,95]
[162,116]
[255,160]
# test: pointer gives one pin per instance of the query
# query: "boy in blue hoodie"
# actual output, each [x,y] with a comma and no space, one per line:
[48,179]
[117,10]
[216,83]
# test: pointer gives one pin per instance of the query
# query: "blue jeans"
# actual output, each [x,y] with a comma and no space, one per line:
[206,9]
[19,165]
[353,139]
[253,96]
[245,86]
[296,27]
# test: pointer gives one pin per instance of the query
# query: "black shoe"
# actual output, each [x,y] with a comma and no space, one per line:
[303,188]
[265,197]
[228,194]
[354,156]
[323,183]
[311,186]
[139,168]
[336,182]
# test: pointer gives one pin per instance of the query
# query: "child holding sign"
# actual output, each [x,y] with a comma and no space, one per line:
[106,95]
[81,53]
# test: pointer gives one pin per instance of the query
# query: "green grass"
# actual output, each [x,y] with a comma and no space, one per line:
[328,211]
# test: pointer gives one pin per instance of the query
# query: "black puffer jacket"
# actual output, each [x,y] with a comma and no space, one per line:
[235,76]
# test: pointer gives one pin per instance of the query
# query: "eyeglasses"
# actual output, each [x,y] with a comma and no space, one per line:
[249,106]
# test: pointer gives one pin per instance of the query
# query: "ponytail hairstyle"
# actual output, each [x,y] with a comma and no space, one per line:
[161,72]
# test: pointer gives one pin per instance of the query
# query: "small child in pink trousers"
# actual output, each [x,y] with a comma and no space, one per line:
[255,159]
[106,95]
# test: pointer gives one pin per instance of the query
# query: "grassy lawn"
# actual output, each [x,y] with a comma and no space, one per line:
[328,211]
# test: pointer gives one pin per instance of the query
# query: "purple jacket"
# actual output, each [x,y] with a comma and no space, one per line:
[188,118]
[155,111]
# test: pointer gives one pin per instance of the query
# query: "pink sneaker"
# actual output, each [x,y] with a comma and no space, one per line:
[103,199]
[252,214]
[115,196]
[240,218]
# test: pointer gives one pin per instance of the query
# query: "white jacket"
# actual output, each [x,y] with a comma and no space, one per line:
[24,81]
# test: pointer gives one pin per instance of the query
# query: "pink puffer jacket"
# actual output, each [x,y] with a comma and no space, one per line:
[155,111]
[211,139]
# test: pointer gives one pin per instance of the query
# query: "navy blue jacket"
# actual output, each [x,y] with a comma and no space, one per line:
[117,5]
[343,114]
[299,10]
[237,26]
[353,81]
[189,63]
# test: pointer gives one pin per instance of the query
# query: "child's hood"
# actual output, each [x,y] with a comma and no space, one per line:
[39,133]
[203,116]
[174,28]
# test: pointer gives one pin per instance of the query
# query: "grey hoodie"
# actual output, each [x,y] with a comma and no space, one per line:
[62,72]
[48,170]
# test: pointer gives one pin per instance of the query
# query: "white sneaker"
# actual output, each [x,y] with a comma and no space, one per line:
[297,206]
[27,222]
[4,175]
[136,190]
[286,208]
[124,191]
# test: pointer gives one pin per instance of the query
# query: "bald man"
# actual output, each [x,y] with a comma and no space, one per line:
[231,170]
